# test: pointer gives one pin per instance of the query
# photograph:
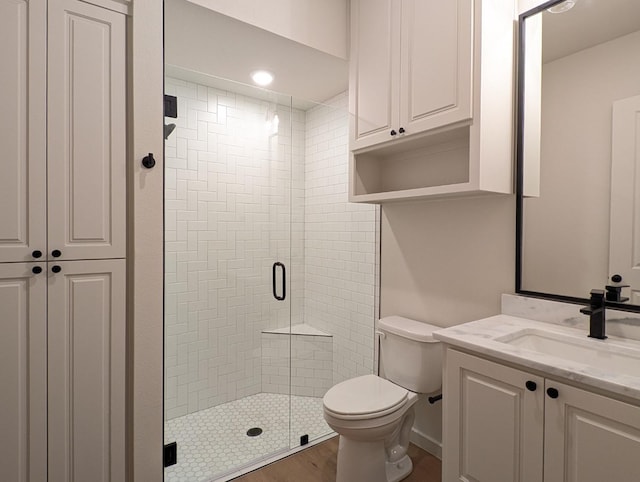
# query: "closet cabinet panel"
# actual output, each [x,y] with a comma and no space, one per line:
[86,371]
[437,64]
[22,129]
[23,372]
[86,131]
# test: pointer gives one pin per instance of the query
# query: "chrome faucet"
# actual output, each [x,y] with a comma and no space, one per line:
[596,312]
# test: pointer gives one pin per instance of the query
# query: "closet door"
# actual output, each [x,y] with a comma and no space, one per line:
[86,371]
[86,131]
[23,371]
[23,45]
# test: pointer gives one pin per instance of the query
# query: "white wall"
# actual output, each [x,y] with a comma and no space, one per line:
[567,228]
[320,24]
[446,262]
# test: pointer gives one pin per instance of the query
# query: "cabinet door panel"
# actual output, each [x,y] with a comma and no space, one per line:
[23,372]
[437,57]
[590,438]
[86,371]
[86,131]
[493,424]
[22,129]
[374,71]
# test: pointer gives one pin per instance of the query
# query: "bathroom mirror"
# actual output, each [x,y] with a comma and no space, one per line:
[578,152]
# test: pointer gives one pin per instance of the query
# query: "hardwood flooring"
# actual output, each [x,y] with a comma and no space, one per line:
[318,464]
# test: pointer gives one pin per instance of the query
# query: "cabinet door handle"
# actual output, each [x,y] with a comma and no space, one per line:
[531,385]
[36,270]
[401,130]
[56,269]
[284,281]
[393,132]
[56,253]
[36,254]
[552,392]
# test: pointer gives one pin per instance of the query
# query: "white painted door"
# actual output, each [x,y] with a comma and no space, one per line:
[624,239]
[374,71]
[23,371]
[86,371]
[86,131]
[493,422]
[437,63]
[23,191]
[590,438]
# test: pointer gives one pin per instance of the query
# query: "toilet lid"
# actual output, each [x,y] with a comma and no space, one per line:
[365,395]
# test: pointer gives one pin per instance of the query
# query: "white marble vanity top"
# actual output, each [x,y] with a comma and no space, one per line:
[490,336]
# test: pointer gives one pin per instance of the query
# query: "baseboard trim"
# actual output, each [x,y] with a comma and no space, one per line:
[434,447]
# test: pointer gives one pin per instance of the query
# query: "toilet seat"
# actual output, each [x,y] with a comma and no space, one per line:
[365,397]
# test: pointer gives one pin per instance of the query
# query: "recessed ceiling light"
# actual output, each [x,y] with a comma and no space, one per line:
[262,77]
[562,7]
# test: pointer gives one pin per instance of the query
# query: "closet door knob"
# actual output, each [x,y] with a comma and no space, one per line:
[531,385]
[401,130]
[393,132]
[36,253]
[36,270]
[56,269]
[552,392]
[56,253]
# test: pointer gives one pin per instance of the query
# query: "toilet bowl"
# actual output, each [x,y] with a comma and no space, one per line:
[374,415]
[374,418]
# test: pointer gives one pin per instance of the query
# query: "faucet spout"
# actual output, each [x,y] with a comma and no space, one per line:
[596,311]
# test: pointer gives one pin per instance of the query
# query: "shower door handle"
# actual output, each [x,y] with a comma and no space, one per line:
[284,281]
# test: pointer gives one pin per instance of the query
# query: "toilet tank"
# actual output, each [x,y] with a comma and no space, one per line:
[409,354]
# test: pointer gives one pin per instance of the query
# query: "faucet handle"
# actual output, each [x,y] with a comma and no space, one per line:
[614,292]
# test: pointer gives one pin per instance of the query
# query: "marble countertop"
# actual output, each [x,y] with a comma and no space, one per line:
[483,337]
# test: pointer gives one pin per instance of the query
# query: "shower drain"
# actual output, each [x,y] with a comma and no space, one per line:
[254,432]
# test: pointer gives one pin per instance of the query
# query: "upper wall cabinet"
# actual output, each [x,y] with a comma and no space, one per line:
[62,188]
[431,95]
[398,48]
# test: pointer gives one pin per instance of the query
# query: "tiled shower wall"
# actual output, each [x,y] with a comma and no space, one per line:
[230,194]
[340,244]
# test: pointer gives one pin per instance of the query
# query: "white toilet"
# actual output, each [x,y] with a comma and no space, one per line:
[374,415]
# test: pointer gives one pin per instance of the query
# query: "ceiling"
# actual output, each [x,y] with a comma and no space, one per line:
[204,46]
[588,23]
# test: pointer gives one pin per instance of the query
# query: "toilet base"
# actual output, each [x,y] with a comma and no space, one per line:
[399,470]
[360,461]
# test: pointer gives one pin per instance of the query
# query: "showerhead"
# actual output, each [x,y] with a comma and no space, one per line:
[168,129]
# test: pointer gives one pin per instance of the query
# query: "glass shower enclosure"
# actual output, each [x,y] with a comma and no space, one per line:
[269,273]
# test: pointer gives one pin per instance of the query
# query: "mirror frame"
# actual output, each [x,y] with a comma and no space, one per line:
[520,176]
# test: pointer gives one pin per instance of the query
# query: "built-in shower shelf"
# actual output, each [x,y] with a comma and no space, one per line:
[297,360]
[298,329]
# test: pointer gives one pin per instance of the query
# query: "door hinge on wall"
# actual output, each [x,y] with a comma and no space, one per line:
[170,454]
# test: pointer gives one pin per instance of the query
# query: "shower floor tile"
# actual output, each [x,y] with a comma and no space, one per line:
[214,441]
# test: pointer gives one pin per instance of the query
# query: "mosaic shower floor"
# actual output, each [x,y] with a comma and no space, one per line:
[214,441]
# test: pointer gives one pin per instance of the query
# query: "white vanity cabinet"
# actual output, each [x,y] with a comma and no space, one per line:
[503,424]
[411,67]
[431,95]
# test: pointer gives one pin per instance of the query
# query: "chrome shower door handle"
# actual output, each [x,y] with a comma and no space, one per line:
[284,281]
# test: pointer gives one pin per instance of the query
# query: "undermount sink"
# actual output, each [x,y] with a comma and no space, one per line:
[606,355]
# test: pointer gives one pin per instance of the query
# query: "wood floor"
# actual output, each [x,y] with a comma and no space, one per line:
[318,464]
